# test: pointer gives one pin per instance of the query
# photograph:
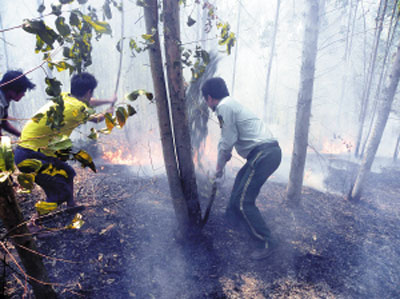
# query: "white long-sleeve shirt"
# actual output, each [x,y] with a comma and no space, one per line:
[240,128]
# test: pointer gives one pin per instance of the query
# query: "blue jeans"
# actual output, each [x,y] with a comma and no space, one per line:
[58,188]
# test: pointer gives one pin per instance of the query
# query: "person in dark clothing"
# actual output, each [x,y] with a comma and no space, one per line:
[242,129]
[13,86]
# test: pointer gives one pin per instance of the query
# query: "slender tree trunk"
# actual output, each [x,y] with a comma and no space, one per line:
[164,120]
[4,44]
[396,149]
[304,103]
[347,55]
[384,68]
[11,216]
[379,126]
[236,49]
[370,76]
[271,58]
[178,108]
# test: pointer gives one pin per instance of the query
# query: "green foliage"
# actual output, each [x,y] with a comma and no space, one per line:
[75,37]
[227,37]
[200,57]
[6,159]
[85,159]
[133,96]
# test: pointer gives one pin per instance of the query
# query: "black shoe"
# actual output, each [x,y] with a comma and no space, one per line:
[261,253]
[264,252]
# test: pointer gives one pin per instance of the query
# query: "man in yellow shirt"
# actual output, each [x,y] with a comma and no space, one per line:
[56,177]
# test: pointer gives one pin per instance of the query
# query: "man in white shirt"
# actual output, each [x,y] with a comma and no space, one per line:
[242,129]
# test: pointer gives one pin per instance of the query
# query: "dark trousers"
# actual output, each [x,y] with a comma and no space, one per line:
[261,163]
[55,177]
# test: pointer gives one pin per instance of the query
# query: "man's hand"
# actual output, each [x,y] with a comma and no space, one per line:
[217,180]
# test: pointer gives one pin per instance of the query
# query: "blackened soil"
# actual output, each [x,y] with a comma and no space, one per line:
[330,247]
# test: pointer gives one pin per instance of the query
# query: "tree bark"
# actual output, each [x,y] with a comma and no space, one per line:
[396,149]
[11,216]
[236,50]
[384,68]
[304,101]
[164,120]
[178,108]
[271,58]
[370,76]
[379,127]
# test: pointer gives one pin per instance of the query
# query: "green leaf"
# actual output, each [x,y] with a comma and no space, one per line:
[56,9]
[121,115]
[190,22]
[107,10]
[149,96]
[53,88]
[62,28]
[30,165]
[93,134]
[41,8]
[48,35]
[131,110]
[85,159]
[66,1]
[98,26]
[60,143]
[74,19]
[135,94]
[110,123]
[6,155]
[37,117]
[26,180]
[82,1]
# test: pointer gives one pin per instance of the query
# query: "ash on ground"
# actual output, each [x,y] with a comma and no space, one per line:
[331,248]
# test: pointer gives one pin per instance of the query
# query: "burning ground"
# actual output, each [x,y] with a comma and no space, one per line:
[126,248]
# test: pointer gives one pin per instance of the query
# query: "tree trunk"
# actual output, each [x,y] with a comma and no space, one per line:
[236,49]
[178,107]
[19,234]
[396,149]
[379,126]
[303,112]
[164,120]
[370,76]
[271,58]
[383,72]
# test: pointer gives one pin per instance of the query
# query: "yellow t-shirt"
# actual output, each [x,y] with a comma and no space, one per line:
[37,135]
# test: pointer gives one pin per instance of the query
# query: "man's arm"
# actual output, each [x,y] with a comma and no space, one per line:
[98,102]
[10,128]
[100,116]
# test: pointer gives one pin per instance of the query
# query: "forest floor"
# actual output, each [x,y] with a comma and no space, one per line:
[331,248]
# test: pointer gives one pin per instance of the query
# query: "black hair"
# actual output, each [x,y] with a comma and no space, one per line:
[17,85]
[216,88]
[82,83]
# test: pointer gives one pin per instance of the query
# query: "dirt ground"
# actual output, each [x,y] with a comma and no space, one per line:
[331,248]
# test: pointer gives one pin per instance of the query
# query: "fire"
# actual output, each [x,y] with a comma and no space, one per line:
[120,157]
[338,145]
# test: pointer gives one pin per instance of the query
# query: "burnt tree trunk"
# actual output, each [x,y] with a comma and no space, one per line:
[180,120]
[164,120]
[19,234]
[379,126]
[304,101]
